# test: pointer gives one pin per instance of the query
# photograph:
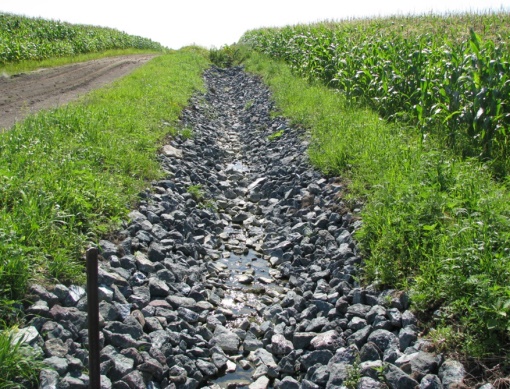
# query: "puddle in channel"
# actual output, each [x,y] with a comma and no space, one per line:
[244,299]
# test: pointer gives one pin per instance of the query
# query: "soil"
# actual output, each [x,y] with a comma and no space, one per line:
[26,93]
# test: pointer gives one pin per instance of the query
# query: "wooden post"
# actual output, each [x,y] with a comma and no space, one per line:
[93,318]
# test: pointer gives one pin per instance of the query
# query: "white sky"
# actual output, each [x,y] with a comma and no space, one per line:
[216,22]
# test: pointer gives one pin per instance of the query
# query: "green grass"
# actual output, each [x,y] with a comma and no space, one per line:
[18,362]
[69,175]
[433,224]
[23,38]
[447,75]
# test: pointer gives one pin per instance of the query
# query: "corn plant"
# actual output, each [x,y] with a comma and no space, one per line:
[23,38]
[446,75]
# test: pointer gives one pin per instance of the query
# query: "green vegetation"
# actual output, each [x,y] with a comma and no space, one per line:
[18,362]
[227,56]
[196,192]
[275,135]
[23,38]
[186,133]
[68,175]
[432,224]
[448,75]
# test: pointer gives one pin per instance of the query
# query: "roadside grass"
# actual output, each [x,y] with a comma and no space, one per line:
[11,68]
[69,175]
[433,224]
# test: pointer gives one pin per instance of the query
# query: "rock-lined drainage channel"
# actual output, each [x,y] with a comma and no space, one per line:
[237,270]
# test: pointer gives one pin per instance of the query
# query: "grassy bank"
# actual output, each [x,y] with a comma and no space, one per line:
[432,223]
[23,38]
[447,75]
[68,175]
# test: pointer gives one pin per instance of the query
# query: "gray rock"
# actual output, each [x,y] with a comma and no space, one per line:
[185,302]
[408,319]
[419,364]
[314,357]
[227,340]
[329,340]
[39,308]
[432,381]
[369,352]
[266,358]
[301,340]
[158,288]
[60,365]
[107,249]
[130,326]
[28,335]
[207,368]
[43,294]
[144,264]
[287,383]
[368,383]
[260,383]
[55,348]
[360,337]
[406,337]
[451,372]
[359,310]
[251,343]
[134,380]
[188,315]
[281,346]
[173,152]
[383,339]
[156,252]
[318,374]
[397,379]
[48,379]
[338,373]
[71,383]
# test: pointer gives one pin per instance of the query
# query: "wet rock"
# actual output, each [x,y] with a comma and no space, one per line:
[227,340]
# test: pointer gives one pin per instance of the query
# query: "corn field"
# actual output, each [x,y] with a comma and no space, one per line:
[447,75]
[23,38]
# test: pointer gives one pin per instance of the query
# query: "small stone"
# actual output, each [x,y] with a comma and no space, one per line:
[171,151]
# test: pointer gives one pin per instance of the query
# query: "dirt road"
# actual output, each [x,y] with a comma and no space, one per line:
[23,94]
